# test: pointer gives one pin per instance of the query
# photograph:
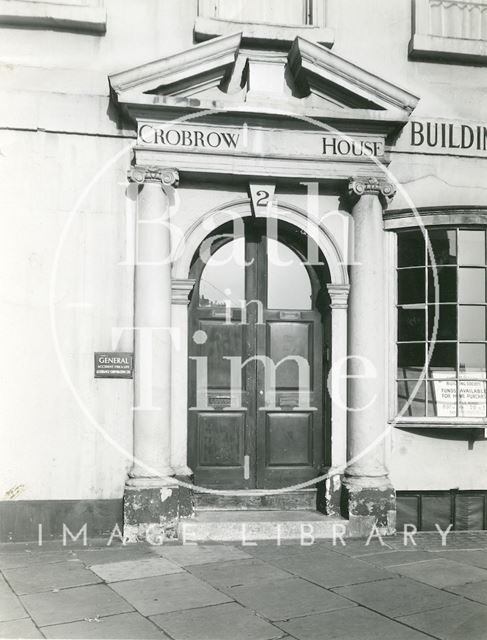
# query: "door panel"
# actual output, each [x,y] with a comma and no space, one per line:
[289,339]
[289,439]
[279,430]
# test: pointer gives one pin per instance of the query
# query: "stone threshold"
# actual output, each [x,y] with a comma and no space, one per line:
[248,526]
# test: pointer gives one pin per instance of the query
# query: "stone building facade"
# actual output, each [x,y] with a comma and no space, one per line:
[214,190]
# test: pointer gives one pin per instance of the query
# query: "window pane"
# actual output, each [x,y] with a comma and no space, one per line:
[471,247]
[223,278]
[446,321]
[288,283]
[444,356]
[446,291]
[416,402]
[471,323]
[472,357]
[471,396]
[471,285]
[411,324]
[410,249]
[411,286]
[444,246]
[410,373]
[443,393]
[411,355]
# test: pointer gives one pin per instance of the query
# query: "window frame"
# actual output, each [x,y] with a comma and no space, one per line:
[432,47]
[79,16]
[469,218]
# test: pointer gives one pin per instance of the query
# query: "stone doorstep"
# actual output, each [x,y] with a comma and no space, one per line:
[243,526]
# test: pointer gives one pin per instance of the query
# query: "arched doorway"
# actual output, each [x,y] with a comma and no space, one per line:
[258,343]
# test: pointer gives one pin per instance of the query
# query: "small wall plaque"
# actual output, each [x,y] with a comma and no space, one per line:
[114,364]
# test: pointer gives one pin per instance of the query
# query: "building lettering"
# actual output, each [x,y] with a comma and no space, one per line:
[338,146]
[173,137]
[448,135]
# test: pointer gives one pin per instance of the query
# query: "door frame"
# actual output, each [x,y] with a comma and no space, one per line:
[182,286]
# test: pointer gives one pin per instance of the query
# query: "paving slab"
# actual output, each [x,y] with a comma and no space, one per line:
[10,606]
[442,573]
[188,554]
[42,577]
[162,594]
[19,629]
[396,558]
[357,548]
[398,596]
[113,554]
[349,624]
[68,605]
[474,591]
[221,622]
[267,552]
[28,558]
[287,598]
[133,569]
[332,570]
[467,621]
[454,540]
[473,557]
[126,626]
[238,572]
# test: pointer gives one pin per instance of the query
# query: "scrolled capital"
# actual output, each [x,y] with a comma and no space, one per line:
[142,174]
[358,187]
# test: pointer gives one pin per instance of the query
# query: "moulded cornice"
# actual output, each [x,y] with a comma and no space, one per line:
[311,63]
[205,58]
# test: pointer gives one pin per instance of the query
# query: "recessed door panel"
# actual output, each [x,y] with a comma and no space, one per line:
[290,341]
[221,439]
[289,440]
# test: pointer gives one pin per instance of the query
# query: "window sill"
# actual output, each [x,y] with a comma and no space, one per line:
[72,17]
[419,423]
[441,49]
[206,28]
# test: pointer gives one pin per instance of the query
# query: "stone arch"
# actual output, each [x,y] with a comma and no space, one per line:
[239,209]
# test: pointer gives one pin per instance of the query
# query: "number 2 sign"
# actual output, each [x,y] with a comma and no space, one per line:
[261,196]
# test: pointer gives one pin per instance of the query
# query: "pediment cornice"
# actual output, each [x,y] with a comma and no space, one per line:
[316,68]
[212,58]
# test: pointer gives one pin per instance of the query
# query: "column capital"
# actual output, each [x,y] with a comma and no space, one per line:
[142,174]
[180,290]
[363,185]
[339,295]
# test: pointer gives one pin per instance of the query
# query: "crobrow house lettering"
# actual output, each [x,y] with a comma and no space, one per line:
[172,137]
[249,140]
[448,135]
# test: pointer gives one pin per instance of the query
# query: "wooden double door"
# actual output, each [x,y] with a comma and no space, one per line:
[256,363]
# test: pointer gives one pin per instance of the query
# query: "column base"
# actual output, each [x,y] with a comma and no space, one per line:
[331,495]
[370,501]
[152,508]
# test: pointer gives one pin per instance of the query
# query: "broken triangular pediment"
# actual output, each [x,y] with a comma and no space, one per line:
[221,74]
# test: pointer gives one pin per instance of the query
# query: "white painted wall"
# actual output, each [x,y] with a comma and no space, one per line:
[57,131]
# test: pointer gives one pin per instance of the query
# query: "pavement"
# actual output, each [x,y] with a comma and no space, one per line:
[261,592]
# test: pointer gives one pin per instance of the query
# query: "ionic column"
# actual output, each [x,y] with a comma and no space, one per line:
[145,504]
[371,497]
